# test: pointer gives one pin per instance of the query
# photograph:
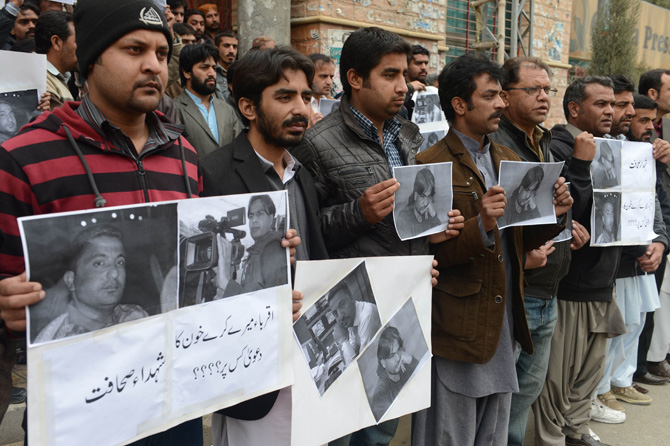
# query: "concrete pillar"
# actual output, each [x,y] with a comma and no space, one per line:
[263,18]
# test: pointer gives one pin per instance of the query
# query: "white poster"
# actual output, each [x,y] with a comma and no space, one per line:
[357,395]
[623,175]
[530,192]
[423,201]
[429,117]
[113,357]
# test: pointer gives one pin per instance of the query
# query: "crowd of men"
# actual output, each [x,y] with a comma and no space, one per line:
[160,107]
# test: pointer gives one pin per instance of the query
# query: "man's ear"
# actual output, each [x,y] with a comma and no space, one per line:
[247,108]
[68,278]
[652,93]
[505,97]
[355,80]
[56,42]
[460,105]
[573,109]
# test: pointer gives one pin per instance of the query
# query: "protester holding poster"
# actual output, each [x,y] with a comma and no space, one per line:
[351,165]
[481,271]
[258,161]
[76,140]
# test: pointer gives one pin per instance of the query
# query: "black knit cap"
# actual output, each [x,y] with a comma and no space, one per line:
[100,23]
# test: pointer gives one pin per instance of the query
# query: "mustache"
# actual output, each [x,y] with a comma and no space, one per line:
[496,115]
[295,120]
[647,133]
[147,81]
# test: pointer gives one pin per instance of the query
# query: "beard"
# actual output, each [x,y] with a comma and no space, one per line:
[202,87]
[272,130]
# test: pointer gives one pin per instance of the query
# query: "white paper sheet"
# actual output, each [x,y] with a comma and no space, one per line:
[23,71]
[394,280]
[624,177]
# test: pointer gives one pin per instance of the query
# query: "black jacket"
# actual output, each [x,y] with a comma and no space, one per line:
[344,162]
[236,169]
[542,282]
[592,270]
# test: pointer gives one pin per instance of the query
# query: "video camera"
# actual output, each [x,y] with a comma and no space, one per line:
[202,251]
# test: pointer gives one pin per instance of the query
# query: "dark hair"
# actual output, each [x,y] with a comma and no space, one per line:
[173,4]
[221,35]
[576,91]
[318,57]
[194,54]
[458,80]
[512,67]
[621,83]
[266,202]
[29,5]
[260,69]
[183,28]
[51,23]
[651,79]
[230,73]
[423,181]
[418,49]
[340,287]
[386,338]
[644,102]
[190,12]
[363,50]
[533,176]
[86,236]
[24,46]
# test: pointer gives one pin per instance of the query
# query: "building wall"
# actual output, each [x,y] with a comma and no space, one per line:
[323,25]
[551,42]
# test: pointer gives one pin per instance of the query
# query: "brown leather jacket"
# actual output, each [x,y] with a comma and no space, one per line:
[469,299]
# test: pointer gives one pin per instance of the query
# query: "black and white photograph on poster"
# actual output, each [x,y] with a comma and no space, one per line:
[326,106]
[530,192]
[427,107]
[392,358]
[338,327]
[606,165]
[430,138]
[605,224]
[423,201]
[100,268]
[231,245]
[17,108]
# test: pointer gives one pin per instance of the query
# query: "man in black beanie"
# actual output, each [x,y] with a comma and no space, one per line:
[133,154]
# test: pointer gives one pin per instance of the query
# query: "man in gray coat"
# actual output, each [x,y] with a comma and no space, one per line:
[210,122]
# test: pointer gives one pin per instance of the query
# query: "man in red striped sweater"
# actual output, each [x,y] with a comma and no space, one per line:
[111,149]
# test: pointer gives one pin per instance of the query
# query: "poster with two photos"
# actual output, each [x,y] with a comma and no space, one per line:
[623,177]
[155,314]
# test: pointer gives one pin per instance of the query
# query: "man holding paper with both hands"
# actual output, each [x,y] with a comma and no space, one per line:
[478,302]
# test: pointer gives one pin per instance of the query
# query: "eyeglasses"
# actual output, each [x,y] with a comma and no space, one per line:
[535,91]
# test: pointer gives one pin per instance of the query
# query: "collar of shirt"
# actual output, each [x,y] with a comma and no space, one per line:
[574,131]
[390,133]
[291,166]
[472,145]
[315,104]
[198,101]
[160,133]
[53,70]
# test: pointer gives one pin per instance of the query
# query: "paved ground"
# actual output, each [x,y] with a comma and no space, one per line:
[645,426]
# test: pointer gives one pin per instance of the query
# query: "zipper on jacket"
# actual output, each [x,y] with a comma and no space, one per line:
[143,180]
[473,192]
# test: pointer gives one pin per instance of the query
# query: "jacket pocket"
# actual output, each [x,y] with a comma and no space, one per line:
[456,307]
[355,176]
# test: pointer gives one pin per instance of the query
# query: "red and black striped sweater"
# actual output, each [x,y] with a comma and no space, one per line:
[41,173]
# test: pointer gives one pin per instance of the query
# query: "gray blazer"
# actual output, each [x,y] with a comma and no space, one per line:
[197,130]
